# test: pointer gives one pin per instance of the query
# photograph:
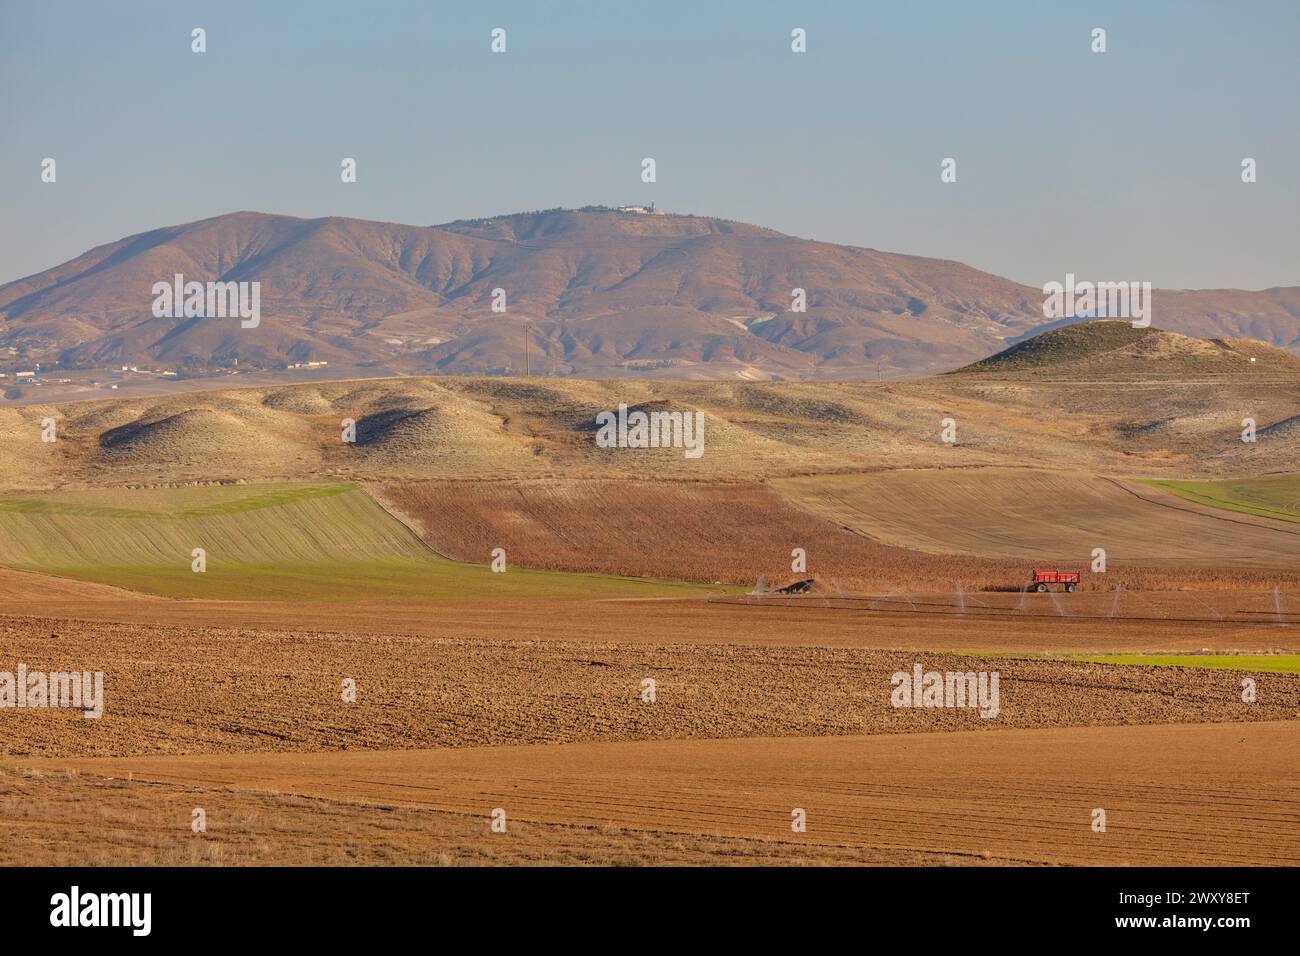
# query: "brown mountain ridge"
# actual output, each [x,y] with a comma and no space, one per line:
[591,292]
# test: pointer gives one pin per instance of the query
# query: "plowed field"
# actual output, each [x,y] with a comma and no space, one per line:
[1221,794]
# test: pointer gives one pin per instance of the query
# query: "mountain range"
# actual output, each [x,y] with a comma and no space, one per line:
[595,292]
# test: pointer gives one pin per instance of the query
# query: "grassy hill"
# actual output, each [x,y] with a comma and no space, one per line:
[1112,348]
[286,541]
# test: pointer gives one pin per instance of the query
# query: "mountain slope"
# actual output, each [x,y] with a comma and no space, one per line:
[603,293]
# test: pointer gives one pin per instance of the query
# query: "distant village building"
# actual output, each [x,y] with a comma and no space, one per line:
[641,210]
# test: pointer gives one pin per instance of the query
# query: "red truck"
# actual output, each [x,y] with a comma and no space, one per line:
[1043,578]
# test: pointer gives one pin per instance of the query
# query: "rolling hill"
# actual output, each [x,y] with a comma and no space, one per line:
[1116,349]
[1116,402]
[593,292]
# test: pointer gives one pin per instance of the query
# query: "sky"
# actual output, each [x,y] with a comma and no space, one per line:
[1123,165]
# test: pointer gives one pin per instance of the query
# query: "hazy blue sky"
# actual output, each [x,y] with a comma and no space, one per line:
[1123,165]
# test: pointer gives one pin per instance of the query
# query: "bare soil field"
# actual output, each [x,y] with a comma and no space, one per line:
[1093,622]
[74,819]
[186,690]
[754,689]
[1100,622]
[1209,794]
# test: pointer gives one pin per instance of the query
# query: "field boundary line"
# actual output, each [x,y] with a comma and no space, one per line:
[1172,507]
[383,506]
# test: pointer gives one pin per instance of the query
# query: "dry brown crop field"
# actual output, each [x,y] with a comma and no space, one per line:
[1046,516]
[734,533]
[980,529]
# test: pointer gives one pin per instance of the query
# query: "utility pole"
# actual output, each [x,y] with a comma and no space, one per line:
[525,348]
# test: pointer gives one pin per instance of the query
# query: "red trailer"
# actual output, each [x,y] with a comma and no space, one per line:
[1043,578]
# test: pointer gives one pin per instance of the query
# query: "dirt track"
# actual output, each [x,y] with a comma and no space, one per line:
[1213,621]
[1208,794]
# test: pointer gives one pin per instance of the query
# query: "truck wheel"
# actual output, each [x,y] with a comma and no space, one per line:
[1070,588]
[1040,588]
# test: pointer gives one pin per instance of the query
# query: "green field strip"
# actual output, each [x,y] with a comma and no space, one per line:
[1265,663]
[1262,663]
[293,541]
[1274,497]
[237,499]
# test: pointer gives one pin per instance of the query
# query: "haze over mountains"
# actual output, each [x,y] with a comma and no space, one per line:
[594,292]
